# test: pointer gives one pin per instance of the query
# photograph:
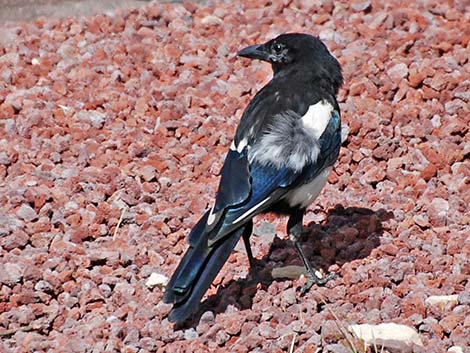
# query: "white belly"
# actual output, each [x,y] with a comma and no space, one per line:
[306,194]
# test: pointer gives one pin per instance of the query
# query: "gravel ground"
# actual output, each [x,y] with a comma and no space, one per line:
[113,129]
[28,10]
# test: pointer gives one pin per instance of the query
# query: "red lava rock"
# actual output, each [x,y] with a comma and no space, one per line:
[15,240]
[134,111]
[438,211]
[359,6]
[329,330]
[26,213]
[373,175]
[221,338]
[429,172]
[234,326]
[390,249]
[449,322]
[11,273]
[398,72]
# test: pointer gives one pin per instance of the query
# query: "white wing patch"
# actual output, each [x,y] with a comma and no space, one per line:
[307,193]
[317,118]
[251,210]
[211,217]
[240,146]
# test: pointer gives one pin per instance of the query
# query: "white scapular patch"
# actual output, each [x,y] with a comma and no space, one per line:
[232,146]
[317,118]
[251,210]
[240,146]
[307,193]
[292,140]
[211,217]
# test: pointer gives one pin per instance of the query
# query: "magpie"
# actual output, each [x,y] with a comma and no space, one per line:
[284,148]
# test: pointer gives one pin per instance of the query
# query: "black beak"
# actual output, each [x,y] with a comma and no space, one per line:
[254,52]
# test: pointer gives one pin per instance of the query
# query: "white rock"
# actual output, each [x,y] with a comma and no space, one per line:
[441,205]
[190,334]
[455,349]
[442,300]
[436,121]
[398,72]
[292,272]
[345,129]
[11,273]
[94,117]
[27,213]
[156,280]
[211,20]
[387,335]
[147,172]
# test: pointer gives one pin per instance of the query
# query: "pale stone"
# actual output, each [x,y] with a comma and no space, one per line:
[156,280]
[291,272]
[387,335]
[190,334]
[211,20]
[442,300]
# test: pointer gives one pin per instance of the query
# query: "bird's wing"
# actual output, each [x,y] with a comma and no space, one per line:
[244,194]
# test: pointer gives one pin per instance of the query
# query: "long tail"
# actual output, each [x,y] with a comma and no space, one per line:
[197,270]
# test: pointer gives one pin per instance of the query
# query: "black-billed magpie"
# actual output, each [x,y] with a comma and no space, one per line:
[284,148]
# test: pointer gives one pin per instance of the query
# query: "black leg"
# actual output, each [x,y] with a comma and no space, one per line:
[255,275]
[246,240]
[294,229]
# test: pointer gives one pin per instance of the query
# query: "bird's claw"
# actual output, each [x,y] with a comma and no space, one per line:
[257,277]
[314,279]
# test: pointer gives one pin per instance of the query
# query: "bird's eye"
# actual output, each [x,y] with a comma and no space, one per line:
[278,47]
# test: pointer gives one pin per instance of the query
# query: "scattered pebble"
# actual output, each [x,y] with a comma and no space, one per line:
[442,300]
[387,335]
[291,272]
[156,280]
[135,109]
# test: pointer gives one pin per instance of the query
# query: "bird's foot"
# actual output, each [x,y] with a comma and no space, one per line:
[313,278]
[257,277]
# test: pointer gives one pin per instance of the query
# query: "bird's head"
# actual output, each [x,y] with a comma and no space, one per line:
[301,52]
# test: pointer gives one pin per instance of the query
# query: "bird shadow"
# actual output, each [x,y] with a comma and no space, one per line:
[347,234]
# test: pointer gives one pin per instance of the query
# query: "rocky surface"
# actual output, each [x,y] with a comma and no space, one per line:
[29,10]
[113,129]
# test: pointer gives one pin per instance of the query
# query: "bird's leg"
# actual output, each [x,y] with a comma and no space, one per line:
[246,240]
[294,229]
[255,275]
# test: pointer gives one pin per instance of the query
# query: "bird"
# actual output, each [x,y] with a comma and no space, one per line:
[285,146]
